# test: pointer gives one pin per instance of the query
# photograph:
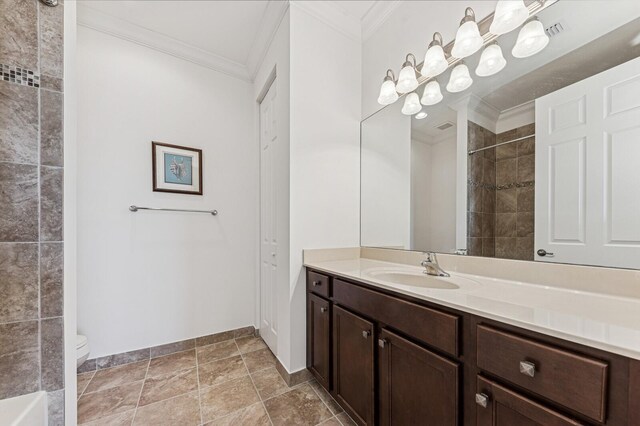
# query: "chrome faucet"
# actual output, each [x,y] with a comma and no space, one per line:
[431,265]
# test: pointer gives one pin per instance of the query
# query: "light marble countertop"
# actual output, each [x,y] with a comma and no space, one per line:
[605,321]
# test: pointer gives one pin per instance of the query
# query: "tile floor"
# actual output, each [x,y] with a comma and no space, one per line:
[228,383]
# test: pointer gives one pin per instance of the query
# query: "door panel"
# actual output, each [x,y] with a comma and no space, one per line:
[319,335]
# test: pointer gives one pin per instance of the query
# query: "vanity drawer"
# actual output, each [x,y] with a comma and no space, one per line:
[433,327]
[319,284]
[574,381]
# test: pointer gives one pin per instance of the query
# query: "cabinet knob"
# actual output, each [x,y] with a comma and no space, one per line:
[528,368]
[316,283]
[482,399]
[323,309]
[382,342]
[366,334]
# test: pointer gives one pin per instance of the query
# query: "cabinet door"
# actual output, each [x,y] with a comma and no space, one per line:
[499,406]
[416,385]
[353,352]
[319,339]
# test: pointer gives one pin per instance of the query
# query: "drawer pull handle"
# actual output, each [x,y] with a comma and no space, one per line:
[366,334]
[382,343]
[316,283]
[482,400]
[323,309]
[528,368]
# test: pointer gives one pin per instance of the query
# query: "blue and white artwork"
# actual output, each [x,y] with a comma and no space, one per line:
[178,169]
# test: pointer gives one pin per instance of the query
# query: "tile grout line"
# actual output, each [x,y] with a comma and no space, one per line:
[325,404]
[198,380]
[144,381]
[86,386]
[264,407]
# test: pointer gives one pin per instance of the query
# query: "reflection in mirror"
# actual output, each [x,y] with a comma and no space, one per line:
[539,161]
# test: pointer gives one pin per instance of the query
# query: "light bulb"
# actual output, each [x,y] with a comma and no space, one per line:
[388,94]
[509,15]
[468,38]
[435,62]
[491,61]
[407,80]
[531,40]
[421,115]
[460,79]
[411,104]
[432,94]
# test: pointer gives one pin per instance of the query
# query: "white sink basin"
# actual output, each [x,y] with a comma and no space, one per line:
[413,278]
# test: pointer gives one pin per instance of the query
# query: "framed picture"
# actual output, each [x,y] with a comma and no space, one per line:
[176,169]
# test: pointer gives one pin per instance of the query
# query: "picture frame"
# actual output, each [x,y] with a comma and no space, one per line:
[176,169]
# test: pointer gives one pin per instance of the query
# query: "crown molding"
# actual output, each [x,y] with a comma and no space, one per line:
[91,18]
[332,16]
[516,117]
[269,24]
[482,113]
[377,15]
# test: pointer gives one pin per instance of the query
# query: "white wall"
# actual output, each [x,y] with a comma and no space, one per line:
[150,278]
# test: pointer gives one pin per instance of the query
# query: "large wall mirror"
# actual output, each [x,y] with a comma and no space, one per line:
[539,162]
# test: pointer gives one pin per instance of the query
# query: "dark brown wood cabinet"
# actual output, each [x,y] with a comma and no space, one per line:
[319,342]
[353,355]
[417,387]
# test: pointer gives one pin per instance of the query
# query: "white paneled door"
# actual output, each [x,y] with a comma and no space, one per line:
[588,170]
[268,220]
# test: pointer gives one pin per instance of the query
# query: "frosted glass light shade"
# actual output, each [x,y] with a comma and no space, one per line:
[432,94]
[407,80]
[421,115]
[509,15]
[531,40]
[491,61]
[411,104]
[460,79]
[468,40]
[388,94]
[435,62]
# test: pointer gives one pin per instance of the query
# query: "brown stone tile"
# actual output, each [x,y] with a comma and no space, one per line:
[526,130]
[526,168]
[182,410]
[52,354]
[222,400]
[506,200]
[19,282]
[300,406]
[51,201]
[474,246]
[51,43]
[269,383]
[474,198]
[117,376]
[51,83]
[97,405]
[526,199]
[293,379]
[488,247]
[506,171]
[525,224]
[506,248]
[82,380]
[488,200]
[88,365]
[488,171]
[524,248]
[172,363]
[259,360]
[120,419]
[19,358]
[171,348]
[123,358]
[526,146]
[169,385]
[51,123]
[473,141]
[244,331]
[19,20]
[345,420]
[215,338]
[326,398]
[509,150]
[217,351]
[254,415]
[18,122]
[474,224]
[217,372]
[488,225]
[55,408]
[476,164]
[18,202]
[51,280]
[249,344]
[505,224]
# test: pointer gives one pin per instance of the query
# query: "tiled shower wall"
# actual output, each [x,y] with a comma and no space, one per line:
[31,202]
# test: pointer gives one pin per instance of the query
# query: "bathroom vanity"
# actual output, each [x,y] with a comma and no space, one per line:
[445,351]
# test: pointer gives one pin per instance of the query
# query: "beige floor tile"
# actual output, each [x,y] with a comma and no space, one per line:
[250,344]
[326,397]
[117,376]
[169,385]
[82,380]
[331,422]
[269,383]
[222,370]
[217,351]
[221,400]
[254,415]
[345,419]
[183,410]
[300,406]
[96,405]
[259,360]
[121,419]
[173,363]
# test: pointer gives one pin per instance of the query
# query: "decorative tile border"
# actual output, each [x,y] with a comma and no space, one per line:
[19,75]
[500,187]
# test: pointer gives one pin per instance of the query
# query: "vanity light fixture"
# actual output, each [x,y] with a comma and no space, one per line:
[491,61]
[407,80]
[509,15]
[432,94]
[460,79]
[421,115]
[531,40]
[435,63]
[411,104]
[468,38]
[388,94]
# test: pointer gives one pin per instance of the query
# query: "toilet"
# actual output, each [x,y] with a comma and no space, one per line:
[82,349]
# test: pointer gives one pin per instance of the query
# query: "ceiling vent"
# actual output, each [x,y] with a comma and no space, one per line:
[556,29]
[445,126]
